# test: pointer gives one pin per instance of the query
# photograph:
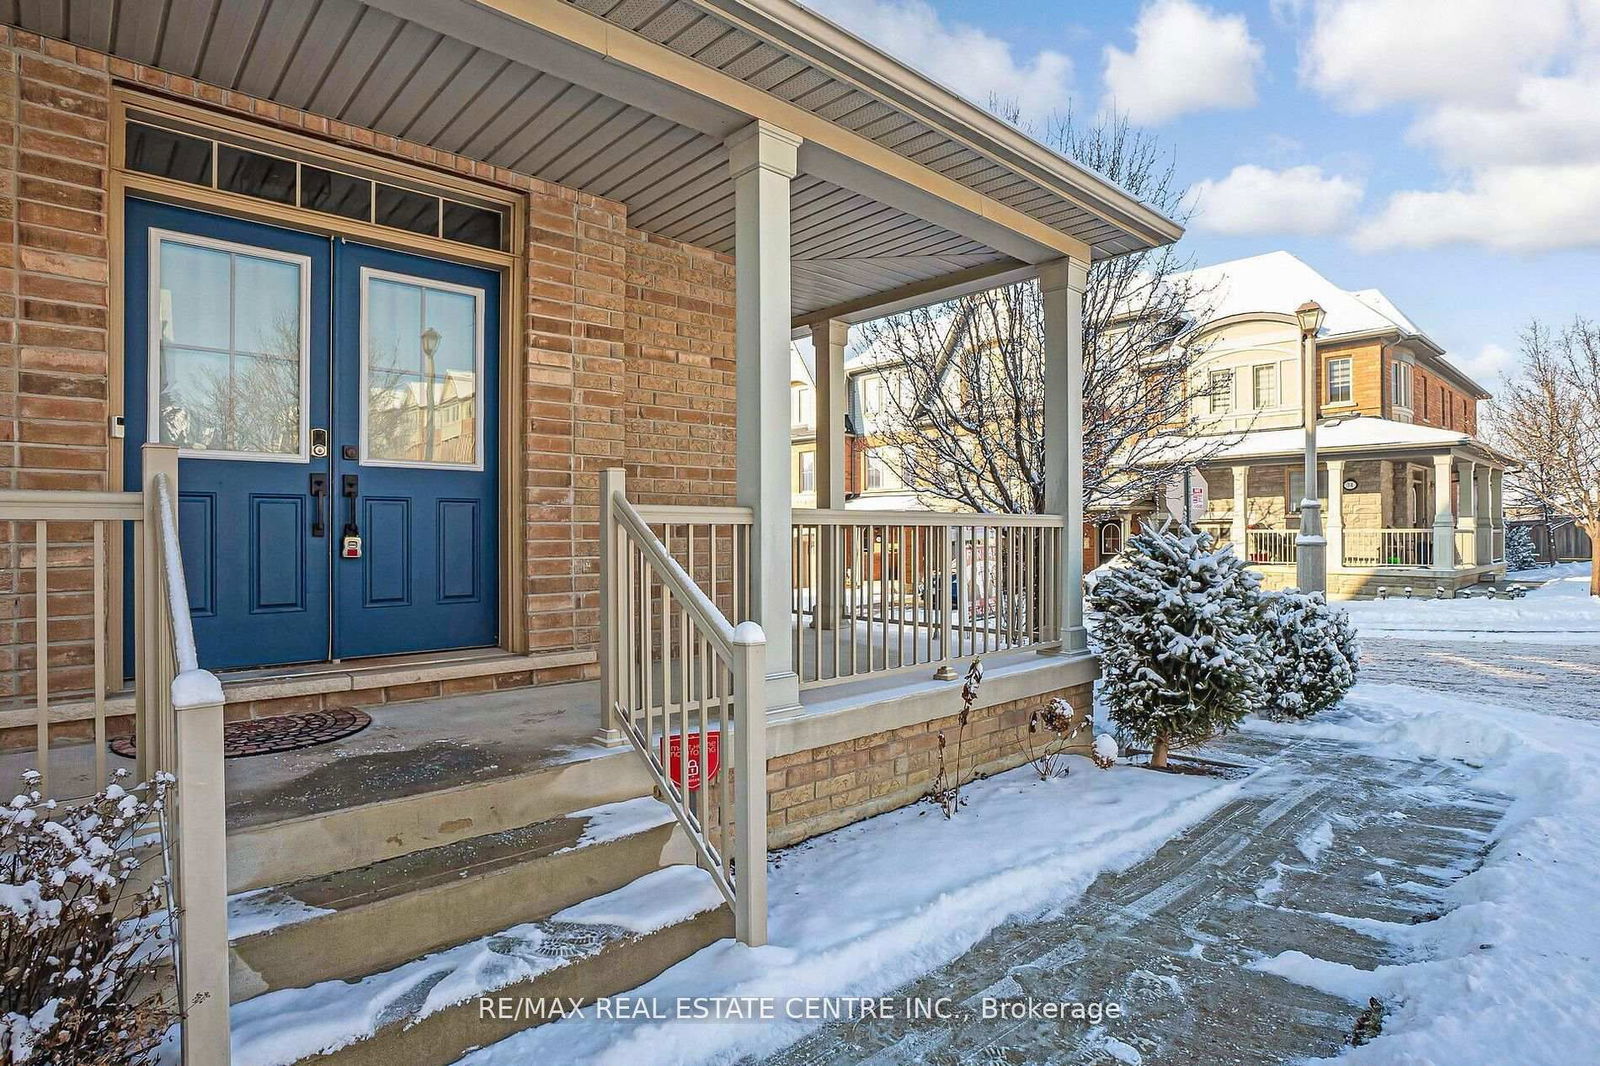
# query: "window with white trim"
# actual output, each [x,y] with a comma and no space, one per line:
[229,348]
[1264,386]
[1219,386]
[1340,388]
[804,411]
[808,471]
[1400,384]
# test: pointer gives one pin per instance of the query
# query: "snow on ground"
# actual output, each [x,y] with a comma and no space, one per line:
[1562,611]
[1510,974]
[863,909]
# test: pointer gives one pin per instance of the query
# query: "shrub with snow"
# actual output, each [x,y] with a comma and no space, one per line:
[1520,553]
[1105,751]
[1311,651]
[1176,627]
[81,934]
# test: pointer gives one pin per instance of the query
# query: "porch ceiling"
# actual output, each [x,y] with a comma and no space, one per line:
[521,85]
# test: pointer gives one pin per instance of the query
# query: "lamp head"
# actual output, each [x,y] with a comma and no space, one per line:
[430,341]
[1310,315]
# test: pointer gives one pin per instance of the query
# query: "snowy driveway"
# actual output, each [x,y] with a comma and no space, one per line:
[1321,843]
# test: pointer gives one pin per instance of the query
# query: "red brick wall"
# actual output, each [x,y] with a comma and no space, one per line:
[628,343]
[678,393]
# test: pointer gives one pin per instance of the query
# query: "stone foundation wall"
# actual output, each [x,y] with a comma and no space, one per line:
[818,789]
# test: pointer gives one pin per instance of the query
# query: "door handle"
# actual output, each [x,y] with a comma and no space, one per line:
[319,504]
[350,541]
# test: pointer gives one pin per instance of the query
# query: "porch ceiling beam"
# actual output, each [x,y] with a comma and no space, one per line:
[916,294]
[565,41]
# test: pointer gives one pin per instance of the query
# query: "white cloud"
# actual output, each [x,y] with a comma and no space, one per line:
[976,64]
[1546,120]
[1504,96]
[1254,200]
[1364,54]
[1510,208]
[1491,361]
[1185,58]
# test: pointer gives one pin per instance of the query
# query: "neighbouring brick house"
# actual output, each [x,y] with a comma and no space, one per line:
[332,318]
[1410,494]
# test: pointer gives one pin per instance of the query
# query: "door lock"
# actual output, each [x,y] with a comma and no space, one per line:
[350,540]
[319,444]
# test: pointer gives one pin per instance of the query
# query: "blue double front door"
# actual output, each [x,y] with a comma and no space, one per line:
[336,405]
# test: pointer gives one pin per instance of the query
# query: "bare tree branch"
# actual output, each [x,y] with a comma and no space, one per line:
[967,422]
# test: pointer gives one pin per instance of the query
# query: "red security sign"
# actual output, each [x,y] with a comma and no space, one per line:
[672,753]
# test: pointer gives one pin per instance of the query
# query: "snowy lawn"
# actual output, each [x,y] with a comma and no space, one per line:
[1562,609]
[862,910]
[1510,974]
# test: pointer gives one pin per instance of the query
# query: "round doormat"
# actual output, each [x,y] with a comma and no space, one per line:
[283,732]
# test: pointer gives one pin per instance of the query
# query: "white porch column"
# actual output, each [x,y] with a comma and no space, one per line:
[762,159]
[1333,528]
[1061,284]
[1444,523]
[1239,532]
[1484,541]
[1497,514]
[1467,508]
[829,339]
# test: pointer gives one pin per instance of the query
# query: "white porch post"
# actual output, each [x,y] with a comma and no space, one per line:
[829,339]
[762,159]
[1467,509]
[1334,527]
[1061,284]
[1444,524]
[1497,514]
[1485,516]
[1239,532]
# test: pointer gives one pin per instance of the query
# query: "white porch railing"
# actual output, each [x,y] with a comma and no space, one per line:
[76,559]
[1411,548]
[1271,546]
[880,592]
[676,674]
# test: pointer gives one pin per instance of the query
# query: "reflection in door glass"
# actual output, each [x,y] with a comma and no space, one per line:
[423,358]
[232,348]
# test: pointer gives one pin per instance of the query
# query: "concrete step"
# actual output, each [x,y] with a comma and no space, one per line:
[314,845]
[373,917]
[430,1011]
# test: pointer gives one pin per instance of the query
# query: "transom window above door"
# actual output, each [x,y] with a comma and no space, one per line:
[422,359]
[228,358]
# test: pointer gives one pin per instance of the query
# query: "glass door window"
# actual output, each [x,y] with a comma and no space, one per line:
[422,360]
[229,349]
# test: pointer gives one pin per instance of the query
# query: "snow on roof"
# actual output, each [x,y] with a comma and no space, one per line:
[1352,433]
[1280,282]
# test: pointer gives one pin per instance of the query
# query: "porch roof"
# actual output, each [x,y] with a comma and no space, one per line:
[906,192]
[1363,436]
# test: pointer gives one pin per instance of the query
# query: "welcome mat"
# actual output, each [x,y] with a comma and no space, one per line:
[279,733]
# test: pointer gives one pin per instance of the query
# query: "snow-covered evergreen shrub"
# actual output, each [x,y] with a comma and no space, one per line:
[81,935]
[1520,553]
[1312,654]
[1176,627]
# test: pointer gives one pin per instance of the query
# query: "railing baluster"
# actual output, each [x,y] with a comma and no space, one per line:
[41,649]
[98,620]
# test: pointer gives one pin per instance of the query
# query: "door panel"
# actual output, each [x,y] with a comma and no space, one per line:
[227,345]
[416,420]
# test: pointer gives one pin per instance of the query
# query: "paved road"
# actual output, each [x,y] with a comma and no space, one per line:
[1318,831]
[1552,678]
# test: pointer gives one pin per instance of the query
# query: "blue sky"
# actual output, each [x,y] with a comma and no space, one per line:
[1445,151]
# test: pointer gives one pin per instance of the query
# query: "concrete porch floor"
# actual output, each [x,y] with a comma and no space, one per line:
[432,745]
